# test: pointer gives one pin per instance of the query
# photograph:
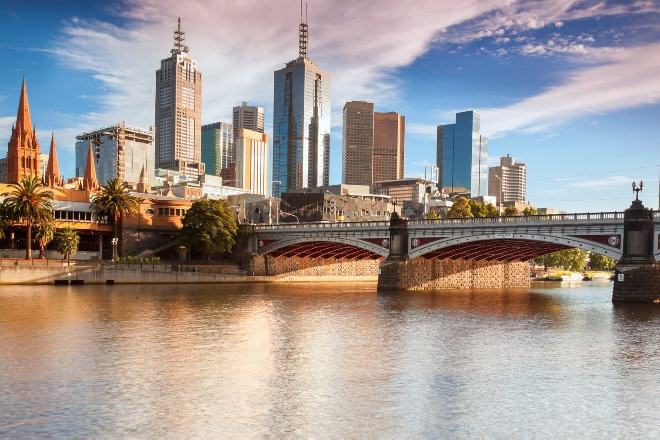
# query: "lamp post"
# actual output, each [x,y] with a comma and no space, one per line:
[182,252]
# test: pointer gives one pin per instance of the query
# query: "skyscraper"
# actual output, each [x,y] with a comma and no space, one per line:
[179,111]
[372,144]
[301,122]
[218,150]
[252,161]
[247,116]
[462,156]
[508,182]
[23,148]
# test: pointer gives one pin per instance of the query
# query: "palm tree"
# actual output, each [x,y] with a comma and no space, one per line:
[114,200]
[28,201]
[44,234]
[67,240]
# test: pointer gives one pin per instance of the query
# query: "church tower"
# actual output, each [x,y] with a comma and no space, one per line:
[52,177]
[23,148]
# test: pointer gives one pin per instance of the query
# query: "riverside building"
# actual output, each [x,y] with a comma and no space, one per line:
[508,181]
[218,150]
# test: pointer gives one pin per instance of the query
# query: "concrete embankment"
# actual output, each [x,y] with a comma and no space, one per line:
[33,274]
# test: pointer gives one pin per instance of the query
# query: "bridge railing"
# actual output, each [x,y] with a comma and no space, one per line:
[324,225]
[524,218]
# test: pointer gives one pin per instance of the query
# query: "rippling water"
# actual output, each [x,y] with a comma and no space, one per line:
[325,361]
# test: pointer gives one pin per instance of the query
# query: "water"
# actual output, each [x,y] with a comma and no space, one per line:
[325,361]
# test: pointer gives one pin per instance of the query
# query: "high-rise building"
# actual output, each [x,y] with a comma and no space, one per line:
[248,116]
[178,136]
[508,182]
[372,144]
[23,148]
[218,150]
[301,122]
[462,156]
[252,161]
[119,151]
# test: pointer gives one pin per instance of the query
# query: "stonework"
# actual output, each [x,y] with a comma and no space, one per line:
[637,284]
[314,267]
[431,274]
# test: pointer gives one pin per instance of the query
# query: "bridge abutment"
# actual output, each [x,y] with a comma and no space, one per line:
[637,275]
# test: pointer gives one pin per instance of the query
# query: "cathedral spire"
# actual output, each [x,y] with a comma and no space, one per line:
[23,120]
[90,181]
[179,38]
[23,147]
[52,177]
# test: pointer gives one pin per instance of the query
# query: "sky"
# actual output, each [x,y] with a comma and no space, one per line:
[570,88]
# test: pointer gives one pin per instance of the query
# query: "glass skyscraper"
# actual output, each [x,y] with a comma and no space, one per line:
[462,155]
[301,123]
[218,150]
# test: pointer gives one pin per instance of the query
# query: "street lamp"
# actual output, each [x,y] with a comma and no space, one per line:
[114,242]
[182,252]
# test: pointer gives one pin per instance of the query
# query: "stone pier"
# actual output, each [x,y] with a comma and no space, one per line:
[637,275]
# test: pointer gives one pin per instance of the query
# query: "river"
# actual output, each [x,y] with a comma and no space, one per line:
[326,361]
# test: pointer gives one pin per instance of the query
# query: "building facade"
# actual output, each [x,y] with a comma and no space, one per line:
[508,181]
[178,105]
[218,150]
[119,151]
[252,161]
[248,116]
[301,122]
[23,149]
[462,156]
[389,146]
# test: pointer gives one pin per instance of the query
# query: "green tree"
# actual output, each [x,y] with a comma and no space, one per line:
[511,211]
[29,202]
[67,241]
[115,201]
[477,208]
[530,210]
[44,233]
[3,220]
[601,262]
[432,215]
[209,227]
[460,209]
[491,210]
[569,259]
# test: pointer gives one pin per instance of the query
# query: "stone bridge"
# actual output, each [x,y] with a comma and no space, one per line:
[483,248]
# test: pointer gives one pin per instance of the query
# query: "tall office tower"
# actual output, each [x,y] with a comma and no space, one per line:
[372,145]
[462,156]
[252,161]
[119,151]
[301,122]
[23,147]
[508,182]
[179,112]
[248,116]
[218,150]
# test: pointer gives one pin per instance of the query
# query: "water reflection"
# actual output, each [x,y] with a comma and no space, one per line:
[324,360]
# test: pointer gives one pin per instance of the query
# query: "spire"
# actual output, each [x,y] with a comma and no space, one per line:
[302,33]
[179,38]
[90,181]
[143,185]
[23,120]
[52,177]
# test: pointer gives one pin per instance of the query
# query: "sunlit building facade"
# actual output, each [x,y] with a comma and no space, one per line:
[218,150]
[508,182]
[252,161]
[301,123]
[462,156]
[247,116]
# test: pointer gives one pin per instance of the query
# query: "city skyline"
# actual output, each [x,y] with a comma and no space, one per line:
[569,89]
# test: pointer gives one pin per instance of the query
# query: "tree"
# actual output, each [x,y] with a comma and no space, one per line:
[30,202]
[44,234]
[491,210]
[3,220]
[460,209]
[209,227]
[476,208]
[67,241]
[511,211]
[114,200]
[432,215]
[530,210]
[570,259]
[601,262]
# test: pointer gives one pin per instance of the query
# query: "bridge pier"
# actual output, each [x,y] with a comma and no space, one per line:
[637,275]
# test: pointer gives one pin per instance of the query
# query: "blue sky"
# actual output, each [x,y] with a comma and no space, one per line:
[570,88]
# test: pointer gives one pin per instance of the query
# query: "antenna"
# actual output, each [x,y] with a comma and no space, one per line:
[179,38]
[302,33]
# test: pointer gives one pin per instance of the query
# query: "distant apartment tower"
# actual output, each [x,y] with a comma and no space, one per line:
[247,116]
[218,149]
[252,161]
[508,182]
[179,111]
[373,144]
[118,151]
[301,122]
[23,148]
[462,156]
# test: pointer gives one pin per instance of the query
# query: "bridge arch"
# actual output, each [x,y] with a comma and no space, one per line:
[508,247]
[326,247]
